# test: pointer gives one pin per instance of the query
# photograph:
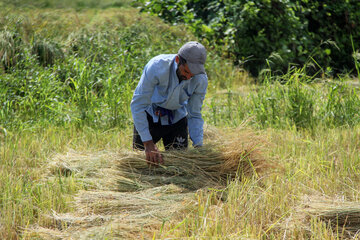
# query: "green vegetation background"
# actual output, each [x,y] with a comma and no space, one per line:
[274,34]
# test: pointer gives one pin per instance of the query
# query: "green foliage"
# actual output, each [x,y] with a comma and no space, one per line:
[297,104]
[78,4]
[251,32]
[80,78]
[267,105]
[92,85]
[300,110]
[343,106]
[356,56]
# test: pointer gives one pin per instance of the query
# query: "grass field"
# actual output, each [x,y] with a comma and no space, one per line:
[67,74]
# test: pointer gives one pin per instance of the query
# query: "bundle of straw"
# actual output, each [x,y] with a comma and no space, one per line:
[342,219]
[342,216]
[211,165]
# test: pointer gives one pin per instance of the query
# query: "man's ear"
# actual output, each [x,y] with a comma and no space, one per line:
[177,59]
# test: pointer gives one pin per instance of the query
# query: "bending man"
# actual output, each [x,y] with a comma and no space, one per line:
[168,99]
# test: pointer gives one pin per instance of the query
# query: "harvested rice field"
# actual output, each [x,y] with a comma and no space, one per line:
[281,150]
[236,186]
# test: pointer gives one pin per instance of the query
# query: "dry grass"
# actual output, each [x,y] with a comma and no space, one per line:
[212,165]
[127,198]
[341,216]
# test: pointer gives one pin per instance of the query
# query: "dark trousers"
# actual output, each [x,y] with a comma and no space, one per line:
[174,136]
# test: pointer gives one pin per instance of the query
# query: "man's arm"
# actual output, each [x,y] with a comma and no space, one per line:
[195,102]
[140,102]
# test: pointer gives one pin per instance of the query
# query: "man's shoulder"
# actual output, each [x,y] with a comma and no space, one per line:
[160,65]
[200,83]
[162,60]
[200,79]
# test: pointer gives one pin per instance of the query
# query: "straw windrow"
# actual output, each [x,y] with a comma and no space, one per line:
[211,165]
[341,216]
[127,198]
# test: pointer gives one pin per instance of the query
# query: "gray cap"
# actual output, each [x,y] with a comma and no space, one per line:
[195,55]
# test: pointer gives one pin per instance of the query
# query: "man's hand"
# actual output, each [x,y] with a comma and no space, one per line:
[153,155]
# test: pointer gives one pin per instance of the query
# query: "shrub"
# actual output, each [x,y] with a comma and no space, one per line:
[252,31]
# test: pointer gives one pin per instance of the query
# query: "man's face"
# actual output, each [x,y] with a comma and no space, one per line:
[183,72]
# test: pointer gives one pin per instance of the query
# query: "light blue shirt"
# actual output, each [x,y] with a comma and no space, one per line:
[159,87]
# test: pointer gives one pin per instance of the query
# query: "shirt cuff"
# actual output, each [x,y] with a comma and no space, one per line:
[145,136]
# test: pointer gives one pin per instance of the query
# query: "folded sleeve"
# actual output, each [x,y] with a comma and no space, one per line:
[194,106]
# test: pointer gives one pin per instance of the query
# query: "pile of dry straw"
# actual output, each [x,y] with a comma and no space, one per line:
[225,156]
[126,198]
[343,217]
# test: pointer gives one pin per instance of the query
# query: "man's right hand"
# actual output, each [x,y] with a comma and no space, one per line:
[153,155]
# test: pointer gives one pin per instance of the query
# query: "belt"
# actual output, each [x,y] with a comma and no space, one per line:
[165,112]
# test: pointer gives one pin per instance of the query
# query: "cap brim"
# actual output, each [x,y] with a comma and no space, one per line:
[196,68]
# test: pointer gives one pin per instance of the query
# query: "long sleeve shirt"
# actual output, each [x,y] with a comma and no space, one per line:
[159,86]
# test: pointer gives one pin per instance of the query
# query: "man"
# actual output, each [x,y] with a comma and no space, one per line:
[168,100]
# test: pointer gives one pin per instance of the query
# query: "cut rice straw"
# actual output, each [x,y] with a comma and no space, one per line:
[126,198]
[211,165]
[343,217]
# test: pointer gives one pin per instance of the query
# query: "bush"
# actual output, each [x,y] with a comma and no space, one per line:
[253,32]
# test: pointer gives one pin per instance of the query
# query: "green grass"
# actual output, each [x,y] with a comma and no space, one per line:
[66,82]
[294,105]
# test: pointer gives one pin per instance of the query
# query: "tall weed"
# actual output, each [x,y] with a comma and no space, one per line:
[287,102]
[301,104]
[342,106]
